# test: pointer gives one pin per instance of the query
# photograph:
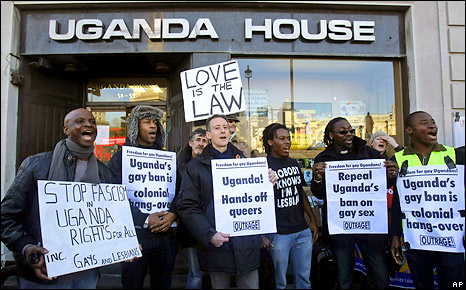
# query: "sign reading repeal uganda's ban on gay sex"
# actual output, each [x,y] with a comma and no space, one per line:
[85,225]
[150,178]
[432,199]
[243,197]
[357,197]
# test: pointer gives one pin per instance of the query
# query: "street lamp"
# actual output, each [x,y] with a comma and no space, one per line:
[248,75]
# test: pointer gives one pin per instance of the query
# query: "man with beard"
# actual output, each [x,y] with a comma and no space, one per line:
[73,159]
[196,144]
[155,235]
[424,150]
[342,144]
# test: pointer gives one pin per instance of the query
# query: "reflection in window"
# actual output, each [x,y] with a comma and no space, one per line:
[111,133]
[305,94]
[127,90]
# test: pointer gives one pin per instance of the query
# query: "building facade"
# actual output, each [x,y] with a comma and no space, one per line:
[302,63]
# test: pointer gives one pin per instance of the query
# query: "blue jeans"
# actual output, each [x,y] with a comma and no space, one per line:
[449,266]
[158,255]
[80,280]
[372,248]
[195,274]
[297,248]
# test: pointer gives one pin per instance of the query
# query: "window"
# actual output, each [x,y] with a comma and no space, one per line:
[111,101]
[305,94]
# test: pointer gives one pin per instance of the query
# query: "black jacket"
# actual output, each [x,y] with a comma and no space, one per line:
[20,207]
[183,236]
[196,208]
[329,154]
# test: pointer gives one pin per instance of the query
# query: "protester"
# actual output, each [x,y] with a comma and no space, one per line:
[220,255]
[154,231]
[424,150]
[293,240]
[380,141]
[343,145]
[234,139]
[73,159]
[196,144]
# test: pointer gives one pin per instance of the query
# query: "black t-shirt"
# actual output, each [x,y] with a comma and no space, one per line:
[288,191]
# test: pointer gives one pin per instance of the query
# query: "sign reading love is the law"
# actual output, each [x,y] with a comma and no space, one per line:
[214,89]
[357,197]
[85,225]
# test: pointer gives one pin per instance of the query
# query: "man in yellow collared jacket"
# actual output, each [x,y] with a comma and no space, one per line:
[424,150]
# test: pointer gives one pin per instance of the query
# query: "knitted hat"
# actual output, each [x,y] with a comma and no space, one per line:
[145,112]
[377,134]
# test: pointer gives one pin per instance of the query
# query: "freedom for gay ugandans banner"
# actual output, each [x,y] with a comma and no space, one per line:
[432,198]
[150,178]
[243,197]
[357,197]
[85,225]
[213,89]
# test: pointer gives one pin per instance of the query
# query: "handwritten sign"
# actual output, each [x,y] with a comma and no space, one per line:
[209,90]
[85,225]
[150,178]
[431,198]
[357,197]
[243,197]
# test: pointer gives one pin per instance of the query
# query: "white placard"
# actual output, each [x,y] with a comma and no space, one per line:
[357,197]
[85,225]
[243,197]
[214,89]
[103,135]
[431,198]
[150,178]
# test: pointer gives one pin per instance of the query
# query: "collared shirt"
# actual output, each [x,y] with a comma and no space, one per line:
[424,159]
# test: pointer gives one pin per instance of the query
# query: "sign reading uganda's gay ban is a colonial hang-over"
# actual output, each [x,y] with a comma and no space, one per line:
[214,89]
[150,178]
[243,197]
[432,199]
[85,225]
[356,197]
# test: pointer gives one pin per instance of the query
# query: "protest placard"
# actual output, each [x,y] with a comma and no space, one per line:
[357,197]
[431,198]
[243,197]
[150,178]
[85,225]
[214,89]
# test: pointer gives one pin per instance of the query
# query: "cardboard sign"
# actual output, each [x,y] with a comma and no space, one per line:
[150,178]
[85,225]
[243,197]
[214,89]
[357,197]
[431,198]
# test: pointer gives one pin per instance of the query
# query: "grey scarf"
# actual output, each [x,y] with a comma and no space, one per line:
[57,168]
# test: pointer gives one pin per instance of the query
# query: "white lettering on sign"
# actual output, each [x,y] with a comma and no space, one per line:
[93,29]
[335,30]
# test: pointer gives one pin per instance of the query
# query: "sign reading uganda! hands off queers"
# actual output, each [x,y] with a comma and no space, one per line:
[85,225]
[357,197]
[432,198]
[243,197]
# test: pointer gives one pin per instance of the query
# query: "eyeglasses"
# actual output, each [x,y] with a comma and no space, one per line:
[344,132]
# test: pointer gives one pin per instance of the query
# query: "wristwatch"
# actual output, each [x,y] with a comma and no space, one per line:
[146,223]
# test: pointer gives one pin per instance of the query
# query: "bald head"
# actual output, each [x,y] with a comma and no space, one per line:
[80,126]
